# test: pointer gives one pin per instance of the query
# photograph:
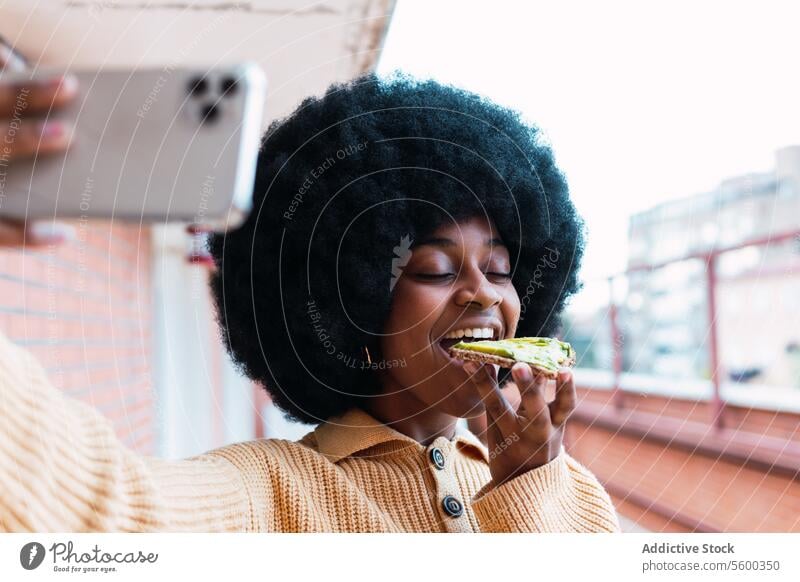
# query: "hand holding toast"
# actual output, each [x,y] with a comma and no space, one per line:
[531,436]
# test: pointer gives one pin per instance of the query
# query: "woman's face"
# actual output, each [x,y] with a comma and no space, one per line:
[456,285]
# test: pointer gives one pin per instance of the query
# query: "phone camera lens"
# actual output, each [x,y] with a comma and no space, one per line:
[209,112]
[229,86]
[198,86]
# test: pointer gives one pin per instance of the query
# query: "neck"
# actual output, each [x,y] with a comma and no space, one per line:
[399,409]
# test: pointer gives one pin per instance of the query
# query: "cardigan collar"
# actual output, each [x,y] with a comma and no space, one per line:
[356,430]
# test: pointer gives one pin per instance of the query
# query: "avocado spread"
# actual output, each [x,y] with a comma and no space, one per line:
[544,352]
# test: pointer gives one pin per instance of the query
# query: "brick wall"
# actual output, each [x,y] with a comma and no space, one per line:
[84,310]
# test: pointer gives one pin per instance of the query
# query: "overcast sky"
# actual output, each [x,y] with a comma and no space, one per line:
[641,101]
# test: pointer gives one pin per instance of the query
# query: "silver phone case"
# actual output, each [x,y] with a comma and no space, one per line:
[157,145]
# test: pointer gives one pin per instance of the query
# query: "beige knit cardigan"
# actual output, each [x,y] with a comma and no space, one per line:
[63,469]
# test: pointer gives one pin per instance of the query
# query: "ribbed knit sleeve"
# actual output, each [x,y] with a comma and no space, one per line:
[63,469]
[560,496]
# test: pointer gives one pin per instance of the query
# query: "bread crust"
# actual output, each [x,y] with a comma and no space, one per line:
[484,358]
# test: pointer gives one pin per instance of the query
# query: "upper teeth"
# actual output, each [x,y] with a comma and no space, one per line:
[479,332]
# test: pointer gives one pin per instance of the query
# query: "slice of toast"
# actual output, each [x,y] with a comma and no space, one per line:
[545,355]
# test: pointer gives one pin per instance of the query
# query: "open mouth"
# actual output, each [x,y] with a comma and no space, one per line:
[446,354]
[467,335]
[448,343]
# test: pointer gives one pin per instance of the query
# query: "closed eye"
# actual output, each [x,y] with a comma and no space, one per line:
[444,276]
[435,276]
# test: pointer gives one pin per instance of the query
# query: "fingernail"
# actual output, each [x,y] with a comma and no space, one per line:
[66,83]
[52,232]
[51,129]
[52,82]
[198,229]
[470,367]
[525,374]
[565,372]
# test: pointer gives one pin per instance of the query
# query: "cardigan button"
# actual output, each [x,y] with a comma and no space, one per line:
[452,506]
[437,458]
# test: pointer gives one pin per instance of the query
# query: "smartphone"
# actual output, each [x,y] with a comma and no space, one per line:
[152,145]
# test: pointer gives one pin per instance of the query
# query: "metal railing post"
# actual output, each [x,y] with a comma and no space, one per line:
[616,345]
[717,406]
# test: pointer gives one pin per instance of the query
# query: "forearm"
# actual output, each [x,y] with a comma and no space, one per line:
[62,468]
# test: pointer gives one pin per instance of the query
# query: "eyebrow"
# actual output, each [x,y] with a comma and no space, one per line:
[447,242]
[444,242]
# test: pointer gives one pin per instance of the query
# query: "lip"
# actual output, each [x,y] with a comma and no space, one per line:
[493,323]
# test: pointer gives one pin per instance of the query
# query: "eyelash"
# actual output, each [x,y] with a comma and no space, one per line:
[443,276]
[434,276]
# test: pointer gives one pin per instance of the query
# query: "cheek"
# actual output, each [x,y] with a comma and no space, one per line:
[511,311]
[408,327]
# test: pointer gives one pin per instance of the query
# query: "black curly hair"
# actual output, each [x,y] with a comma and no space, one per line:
[303,286]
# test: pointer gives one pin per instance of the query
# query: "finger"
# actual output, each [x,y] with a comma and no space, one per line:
[498,410]
[26,137]
[198,229]
[477,426]
[494,436]
[487,432]
[511,392]
[12,233]
[49,232]
[565,399]
[10,60]
[531,386]
[36,95]
[15,233]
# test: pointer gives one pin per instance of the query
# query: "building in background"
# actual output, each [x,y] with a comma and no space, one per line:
[665,315]
[692,418]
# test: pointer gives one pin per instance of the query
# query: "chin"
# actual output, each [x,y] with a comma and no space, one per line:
[462,402]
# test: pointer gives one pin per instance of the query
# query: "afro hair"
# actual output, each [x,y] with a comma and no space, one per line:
[303,287]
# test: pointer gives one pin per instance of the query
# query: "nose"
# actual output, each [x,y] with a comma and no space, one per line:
[478,292]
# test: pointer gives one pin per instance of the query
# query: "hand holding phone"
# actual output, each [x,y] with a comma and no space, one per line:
[155,145]
[26,133]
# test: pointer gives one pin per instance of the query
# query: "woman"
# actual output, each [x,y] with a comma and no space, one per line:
[391,217]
